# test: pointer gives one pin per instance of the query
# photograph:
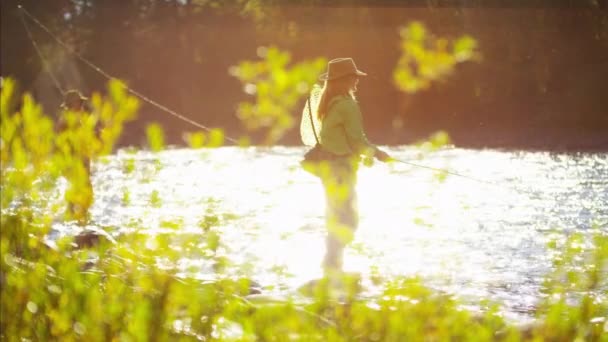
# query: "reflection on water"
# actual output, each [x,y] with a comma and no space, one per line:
[469,238]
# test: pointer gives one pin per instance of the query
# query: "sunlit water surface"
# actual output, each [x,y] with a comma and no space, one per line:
[472,239]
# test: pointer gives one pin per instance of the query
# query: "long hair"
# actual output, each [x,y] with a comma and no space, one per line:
[332,88]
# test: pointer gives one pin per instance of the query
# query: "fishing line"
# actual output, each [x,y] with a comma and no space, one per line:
[45,65]
[105,74]
[484,181]
[528,192]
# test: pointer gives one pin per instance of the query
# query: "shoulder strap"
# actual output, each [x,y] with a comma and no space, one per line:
[312,123]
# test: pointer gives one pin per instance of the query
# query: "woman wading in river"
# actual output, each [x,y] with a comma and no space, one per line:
[340,134]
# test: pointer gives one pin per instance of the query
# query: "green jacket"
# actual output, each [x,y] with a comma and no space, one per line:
[342,129]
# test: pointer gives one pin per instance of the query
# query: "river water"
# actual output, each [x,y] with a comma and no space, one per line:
[470,238]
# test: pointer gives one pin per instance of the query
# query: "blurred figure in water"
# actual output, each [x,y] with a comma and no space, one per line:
[76,139]
[344,142]
[73,100]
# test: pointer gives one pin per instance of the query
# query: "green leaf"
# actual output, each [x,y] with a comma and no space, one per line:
[216,138]
[156,137]
[196,140]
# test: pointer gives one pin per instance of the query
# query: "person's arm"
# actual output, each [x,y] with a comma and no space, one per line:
[61,124]
[353,127]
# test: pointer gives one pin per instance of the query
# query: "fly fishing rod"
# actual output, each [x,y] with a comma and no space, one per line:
[23,11]
[528,192]
[478,180]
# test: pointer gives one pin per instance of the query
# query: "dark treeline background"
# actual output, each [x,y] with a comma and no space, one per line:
[541,82]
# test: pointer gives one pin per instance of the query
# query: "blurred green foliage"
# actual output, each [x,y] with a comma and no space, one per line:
[425,58]
[35,151]
[195,140]
[434,142]
[575,304]
[277,89]
[211,139]
[156,137]
[132,290]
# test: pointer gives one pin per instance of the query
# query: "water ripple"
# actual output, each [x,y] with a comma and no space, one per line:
[469,238]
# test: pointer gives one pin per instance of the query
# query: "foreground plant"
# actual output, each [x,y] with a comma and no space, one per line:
[130,291]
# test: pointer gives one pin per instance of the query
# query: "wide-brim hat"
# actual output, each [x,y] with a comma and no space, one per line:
[72,95]
[340,67]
